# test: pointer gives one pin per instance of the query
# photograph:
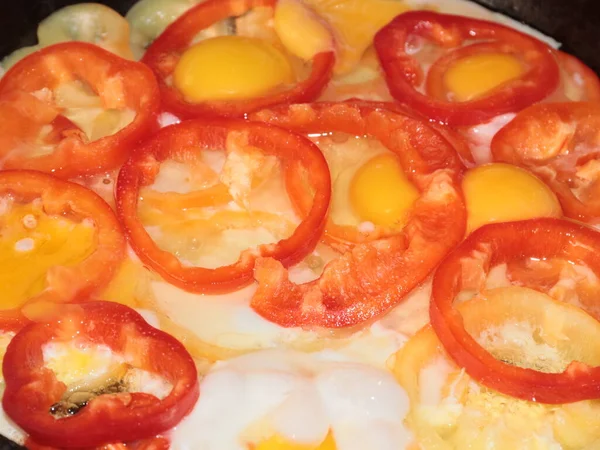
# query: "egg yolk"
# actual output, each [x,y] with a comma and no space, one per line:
[230,67]
[502,193]
[280,443]
[471,77]
[300,30]
[353,22]
[32,242]
[380,192]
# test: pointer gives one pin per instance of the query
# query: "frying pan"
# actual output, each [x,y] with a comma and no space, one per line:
[574,23]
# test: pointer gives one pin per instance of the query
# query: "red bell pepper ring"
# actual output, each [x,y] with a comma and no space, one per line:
[182,142]
[164,53]
[404,74]
[559,142]
[372,277]
[31,388]
[119,83]
[60,197]
[544,238]
[582,75]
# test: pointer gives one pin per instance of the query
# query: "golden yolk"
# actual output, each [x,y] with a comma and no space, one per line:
[32,242]
[354,24]
[300,30]
[279,443]
[471,77]
[502,193]
[231,67]
[380,192]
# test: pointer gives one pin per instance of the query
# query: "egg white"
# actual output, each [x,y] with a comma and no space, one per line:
[299,397]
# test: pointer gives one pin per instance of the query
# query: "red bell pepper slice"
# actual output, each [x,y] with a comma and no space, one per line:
[164,53]
[181,142]
[559,142]
[32,389]
[582,75]
[404,74]
[543,239]
[60,198]
[119,83]
[372,277]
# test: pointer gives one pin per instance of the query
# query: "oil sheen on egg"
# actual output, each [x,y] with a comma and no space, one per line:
[231,67]
[299,398]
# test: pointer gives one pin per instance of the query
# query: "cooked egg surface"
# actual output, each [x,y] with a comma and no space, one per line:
[474,76]
[215,235]
[503,193]
[370,187]
[381,193]
[301,31]
[32,243]
[231,67]
[299,398]
[226,321]
[95,116]
[451,411]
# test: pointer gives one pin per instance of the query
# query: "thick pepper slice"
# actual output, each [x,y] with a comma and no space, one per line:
[32,388]
[181,142]
[58,199]
[585,80]
[404,75]
[559,142]
[164,53]
[34,133]
[371,277]
[494,244]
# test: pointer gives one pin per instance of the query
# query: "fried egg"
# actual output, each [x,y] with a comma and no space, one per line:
[278,399]
[263,386]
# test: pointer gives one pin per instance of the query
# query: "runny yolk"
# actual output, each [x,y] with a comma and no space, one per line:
[503,193]
[471,77]
[32,242]
[380,192]
[280,443]
[231,67]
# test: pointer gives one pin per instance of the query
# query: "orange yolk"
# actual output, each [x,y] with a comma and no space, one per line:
[472,77]
[380,192]
[231,67]
[32,242]
[279,443]
[503,193]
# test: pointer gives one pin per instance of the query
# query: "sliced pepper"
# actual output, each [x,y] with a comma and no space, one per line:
[36,135]
[166,50]
[489,246]
[181,142]
[404,75]
[372,277]
[559,142]
[32,389]
[65,199]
